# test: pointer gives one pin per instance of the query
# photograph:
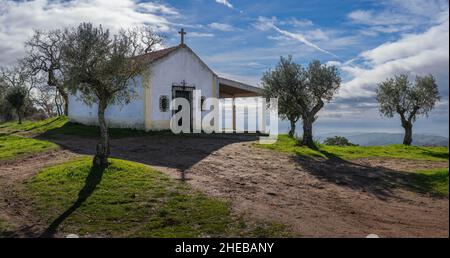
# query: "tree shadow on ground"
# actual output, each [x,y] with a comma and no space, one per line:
[30,129]
[378,181]
[92,180]
[434,154]
[179,152]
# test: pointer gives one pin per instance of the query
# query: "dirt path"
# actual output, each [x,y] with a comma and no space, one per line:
[314,198]
[14,205]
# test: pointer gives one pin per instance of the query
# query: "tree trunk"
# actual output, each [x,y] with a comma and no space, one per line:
[307,133]
[292,131]
[407,140]
[102,151]
[20,117]
[65,96]
[52,81]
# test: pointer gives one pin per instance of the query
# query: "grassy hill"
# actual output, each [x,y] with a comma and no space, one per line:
[14,147]
[19,140]
[61,125]
[289,145]
[434,181]
[378,139]
[132,200]
[129,199]
[10,131]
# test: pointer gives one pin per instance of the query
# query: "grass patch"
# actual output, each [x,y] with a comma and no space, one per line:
[61,125]
[434,181]
[12,146]
[35,127]
[289,145]
[129,200]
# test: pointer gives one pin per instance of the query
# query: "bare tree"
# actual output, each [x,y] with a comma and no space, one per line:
[144,38]
[17,75]
[43,56]
[103,69]
[399,95]
[46,98]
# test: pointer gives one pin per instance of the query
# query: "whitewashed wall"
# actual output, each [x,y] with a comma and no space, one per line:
[180,65]
[117,116]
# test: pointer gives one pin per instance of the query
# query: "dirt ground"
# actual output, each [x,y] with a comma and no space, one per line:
[313,198]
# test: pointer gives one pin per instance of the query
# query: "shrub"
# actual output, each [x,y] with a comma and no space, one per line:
[338,141]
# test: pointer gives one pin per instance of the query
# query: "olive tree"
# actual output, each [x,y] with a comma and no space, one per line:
[5,107]
[409,100]
[301,92]
[283,83]
[17,83]
[319,84]
[101,68]
[17,97]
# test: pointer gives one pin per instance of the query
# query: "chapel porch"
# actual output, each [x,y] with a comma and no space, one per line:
[231,91]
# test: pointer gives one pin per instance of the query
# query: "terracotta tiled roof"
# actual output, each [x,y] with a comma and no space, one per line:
[156,55]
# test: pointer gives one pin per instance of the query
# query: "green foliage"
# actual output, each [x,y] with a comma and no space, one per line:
[13,147]
[282,83]
[399,95]
[338,141]
[100,64]
[129,200]
[101,67]
[301,92]
[289,145]
[17,97]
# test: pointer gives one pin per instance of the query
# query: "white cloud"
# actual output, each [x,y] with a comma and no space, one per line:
[317,34]
[226,3]
[335,63]
[18,19]
[269,23]
[297,22]
[400,16]
[200,35]
[409,45]
[152,7]
[383,18]
[221,26]
[417,54]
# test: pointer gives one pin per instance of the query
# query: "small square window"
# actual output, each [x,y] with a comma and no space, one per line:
[163,103]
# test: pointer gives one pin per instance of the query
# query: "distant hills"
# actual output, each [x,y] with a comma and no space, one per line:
[370,139]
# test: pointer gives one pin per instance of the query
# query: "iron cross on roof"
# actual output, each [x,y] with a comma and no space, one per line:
[182,33]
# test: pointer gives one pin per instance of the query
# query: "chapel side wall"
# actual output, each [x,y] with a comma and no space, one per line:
[117,116]
[179,66]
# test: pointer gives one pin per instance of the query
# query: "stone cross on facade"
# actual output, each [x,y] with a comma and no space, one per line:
[182,33]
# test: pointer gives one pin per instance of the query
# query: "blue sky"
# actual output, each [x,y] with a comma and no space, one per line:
[367,40]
